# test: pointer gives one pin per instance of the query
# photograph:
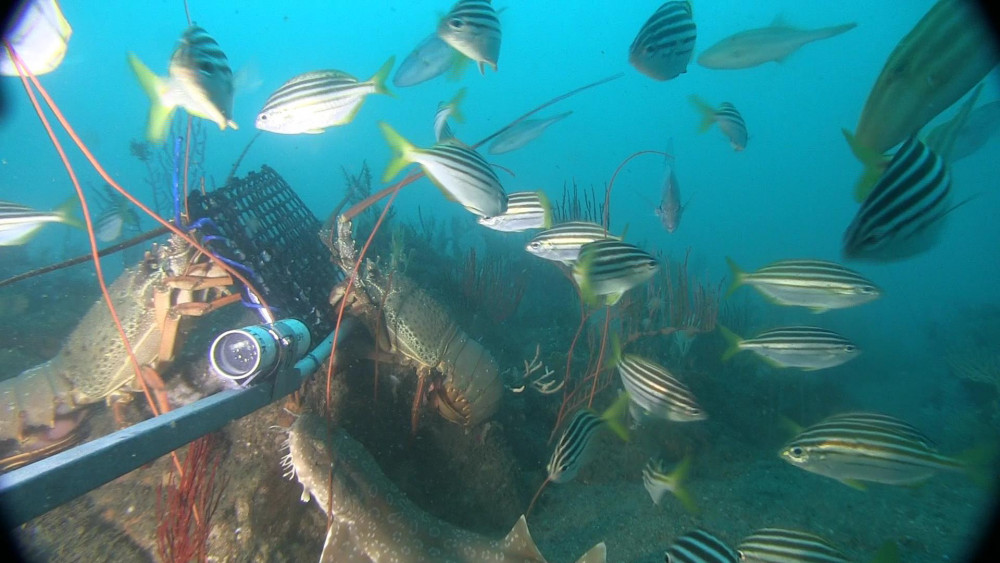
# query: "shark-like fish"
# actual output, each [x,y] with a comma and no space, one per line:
[374,522]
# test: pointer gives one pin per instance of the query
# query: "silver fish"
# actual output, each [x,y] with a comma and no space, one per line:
[665,43]
[758,46]
[200,81]
[608,268]
[727,117]
[19,223]
[817,284]
[562,242]
[779,545]
[522,133]
[804,347]
[373,520]
[658,482]
[314,101]
[446,110]
[430,59]
[700,546]
[670,209]
[655,391]
[111,224]
[572,450]
[473,29]
[525,210]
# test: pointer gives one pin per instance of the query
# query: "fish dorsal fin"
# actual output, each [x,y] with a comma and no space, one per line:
[519,542]
[596,554]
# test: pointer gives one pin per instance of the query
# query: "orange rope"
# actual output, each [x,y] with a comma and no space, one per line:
[607,193]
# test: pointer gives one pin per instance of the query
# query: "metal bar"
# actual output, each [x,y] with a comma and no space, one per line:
[35,489]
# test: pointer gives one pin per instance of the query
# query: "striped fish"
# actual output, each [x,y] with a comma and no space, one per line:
[522,133]
[562,242]
[111,224]
[611,267]
[473,29]
[804,347]
[313,101]
[665,43]
[904,213]
[525,210]
[779,545]
[19,223]
[200,81]
[459,171]
[857,447]
[700,546]
[727,117]
[449,109]
[817,284]
[658,482]
[654,390]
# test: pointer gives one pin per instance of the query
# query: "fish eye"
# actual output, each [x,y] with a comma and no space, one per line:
[869,289]
[850,348]
[263,117]
[795,451]
[455,23]
[206,66]
[534,245]
[649,49]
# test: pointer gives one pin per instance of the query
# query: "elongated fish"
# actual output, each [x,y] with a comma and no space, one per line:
[700,546]
[562,242]
[459,171]
[473,29]
[525,210]
[313,101]
[817,284]
[19,223]
[857,447]
[670,209]
[200,81]
[373,519]
[904,214]
[665,43]
[653,390]
[658,482]
[608,268]
[522,133]
[430,59]
[39,33]
[780,545]
[448,110]
[727,117]
[757,46]
[948,52]
[804,347]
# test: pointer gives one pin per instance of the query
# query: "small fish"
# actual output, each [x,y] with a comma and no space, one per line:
[39,33]
[670,209]
[700,546]
[562,242]
[779,545]
[199,80]
[459,171]
[572,451]
[313,101]
[804,347]
[611,267]
[111,224]
[19,223]
[904,214]
[657,482]
[866,447]
[473,29]
[522,133]
[727,117]
[449,109]
[430,59]
[654,390]
[525,210]
[758,46]
[665,43]
[817,284]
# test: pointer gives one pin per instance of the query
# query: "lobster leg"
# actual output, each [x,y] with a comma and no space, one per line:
[423,377]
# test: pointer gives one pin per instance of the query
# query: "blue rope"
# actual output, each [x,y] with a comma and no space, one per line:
[177,174]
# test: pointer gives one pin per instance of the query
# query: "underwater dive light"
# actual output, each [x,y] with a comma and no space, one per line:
[243,355]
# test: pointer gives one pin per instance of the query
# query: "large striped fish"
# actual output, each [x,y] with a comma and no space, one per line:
[904,214]
[857,447]
[562,242]
[653,390]
[473,29]
[817,284]
[727,117]
[19,223]
[780,545]
[608,268]
[804,347]
[459,171]
[525,210]
[665,43]
[313,101]
[700,546]
[200,81]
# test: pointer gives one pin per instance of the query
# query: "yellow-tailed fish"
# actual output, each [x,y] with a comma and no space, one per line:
[562,242]
[19,223]
[727,117]
[608,268]
[525,210]
[473,29]
[817,284]
[446,110]
[804,347]
[658,482]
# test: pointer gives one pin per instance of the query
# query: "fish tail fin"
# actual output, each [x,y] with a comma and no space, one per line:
[707,112]
[155,88]
[733,342]
[789,426]
[888,553]
[616,352]
[677,477]
[581,273]
[459,63]
[66,212]
[976,463]
[873,161]
[402,148]
[596,554]
[838,29]
[381,75]
[455,103]
[614,416]
[738,276]
[543,200]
